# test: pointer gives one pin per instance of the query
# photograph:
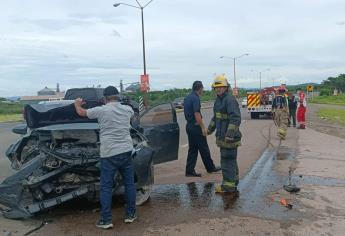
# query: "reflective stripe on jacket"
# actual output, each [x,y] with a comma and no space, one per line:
[226,121]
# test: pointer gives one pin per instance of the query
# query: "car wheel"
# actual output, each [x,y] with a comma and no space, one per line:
[144,193]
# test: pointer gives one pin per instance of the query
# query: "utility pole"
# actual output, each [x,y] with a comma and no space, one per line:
[235,90]
[260,72]
[141,8]
[121,86]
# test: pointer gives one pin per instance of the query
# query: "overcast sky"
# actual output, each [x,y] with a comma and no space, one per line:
[86,42]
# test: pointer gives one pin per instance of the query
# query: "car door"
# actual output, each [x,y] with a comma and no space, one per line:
[160,127]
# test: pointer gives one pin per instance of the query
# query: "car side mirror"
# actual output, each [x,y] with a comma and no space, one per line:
[20,129]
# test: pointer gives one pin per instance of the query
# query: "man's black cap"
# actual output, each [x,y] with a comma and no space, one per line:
[110,91]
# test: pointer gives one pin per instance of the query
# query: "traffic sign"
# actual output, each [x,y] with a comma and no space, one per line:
[310,88]
[144,83]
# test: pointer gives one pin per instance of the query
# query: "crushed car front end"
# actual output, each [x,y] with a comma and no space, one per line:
[58,163]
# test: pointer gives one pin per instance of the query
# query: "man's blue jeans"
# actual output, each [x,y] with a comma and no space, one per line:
[109,168]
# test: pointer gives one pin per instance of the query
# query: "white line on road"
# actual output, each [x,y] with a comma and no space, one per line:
[184,145]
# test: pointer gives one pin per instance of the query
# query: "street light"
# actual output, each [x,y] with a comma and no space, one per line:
[268,69]
[234,58]
[141,8]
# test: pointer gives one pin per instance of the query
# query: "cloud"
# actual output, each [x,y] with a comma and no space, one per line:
[81,42]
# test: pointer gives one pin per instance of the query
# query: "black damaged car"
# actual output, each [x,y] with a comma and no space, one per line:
[57,157]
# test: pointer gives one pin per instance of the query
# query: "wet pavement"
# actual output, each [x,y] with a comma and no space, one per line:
[261,190]
[253,200]
[200,198]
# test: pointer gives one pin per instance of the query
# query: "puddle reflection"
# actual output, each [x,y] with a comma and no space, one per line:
[192,195]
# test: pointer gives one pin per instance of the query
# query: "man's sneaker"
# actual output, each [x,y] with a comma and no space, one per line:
[130,219]
[104,224]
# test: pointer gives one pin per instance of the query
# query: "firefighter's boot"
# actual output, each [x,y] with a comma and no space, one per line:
[221,190]
[227,188]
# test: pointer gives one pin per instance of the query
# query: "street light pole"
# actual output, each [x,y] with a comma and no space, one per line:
[260,72]
[143,35]
[235,73]
[234,59]
[141,7]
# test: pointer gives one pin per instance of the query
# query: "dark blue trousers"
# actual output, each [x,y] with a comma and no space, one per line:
[197,143]
[109,168]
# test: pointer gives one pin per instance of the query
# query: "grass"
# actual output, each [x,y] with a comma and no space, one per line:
[11,117]
[11,108]
[10,112]
[336,100]
[337,115]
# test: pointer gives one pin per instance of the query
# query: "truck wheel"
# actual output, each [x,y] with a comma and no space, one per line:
[254,115]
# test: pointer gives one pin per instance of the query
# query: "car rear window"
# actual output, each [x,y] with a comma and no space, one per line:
[90,94]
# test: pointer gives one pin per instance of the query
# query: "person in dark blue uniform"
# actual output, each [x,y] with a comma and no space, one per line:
[197,133]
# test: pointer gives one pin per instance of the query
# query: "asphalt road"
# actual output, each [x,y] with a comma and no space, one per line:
[189,206]
[253,144]
[173,172]
[173,191]
[6,139]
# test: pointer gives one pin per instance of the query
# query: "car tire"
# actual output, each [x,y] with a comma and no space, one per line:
[144,193]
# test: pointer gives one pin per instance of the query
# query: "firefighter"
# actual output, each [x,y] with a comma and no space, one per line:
[292,110]
[280,112]
[301,109]
[226,121]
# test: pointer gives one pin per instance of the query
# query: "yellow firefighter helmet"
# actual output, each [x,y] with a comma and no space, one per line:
[220,81]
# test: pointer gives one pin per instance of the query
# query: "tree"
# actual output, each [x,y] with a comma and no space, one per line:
[335,83]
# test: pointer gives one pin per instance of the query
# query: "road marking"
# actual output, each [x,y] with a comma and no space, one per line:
[184,145]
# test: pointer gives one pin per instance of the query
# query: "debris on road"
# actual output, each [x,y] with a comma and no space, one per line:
[291,188]
[284,202]
[44,223]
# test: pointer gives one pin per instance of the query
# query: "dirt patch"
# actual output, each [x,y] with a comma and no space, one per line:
[322,125]
[222,226]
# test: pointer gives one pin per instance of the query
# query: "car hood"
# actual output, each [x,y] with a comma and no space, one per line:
[74,126]
[41,115]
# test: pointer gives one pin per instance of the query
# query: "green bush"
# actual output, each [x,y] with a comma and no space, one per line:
[325,92]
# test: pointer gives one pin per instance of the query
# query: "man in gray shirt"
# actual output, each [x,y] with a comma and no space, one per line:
[116,148]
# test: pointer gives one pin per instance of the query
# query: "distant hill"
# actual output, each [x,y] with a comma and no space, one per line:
[14,98]
[305,85]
